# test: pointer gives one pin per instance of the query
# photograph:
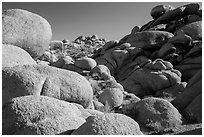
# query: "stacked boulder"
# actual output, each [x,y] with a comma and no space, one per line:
[39,99]
[89,40]
[160,59]
[148,81]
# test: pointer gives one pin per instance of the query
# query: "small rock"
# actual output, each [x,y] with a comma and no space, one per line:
[85,63]
[112,97]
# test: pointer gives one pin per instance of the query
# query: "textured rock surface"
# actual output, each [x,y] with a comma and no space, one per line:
[109,124]
[47,81]
[85,63]
[155,114]
[26,30]
[111,96]
[39,115]
[12,56]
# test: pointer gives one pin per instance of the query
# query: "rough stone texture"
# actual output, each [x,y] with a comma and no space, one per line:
[85,63]
[39,115]
[26,30]
[109,124]
[149,39]
[48,81]
[112,97]
[155,114]
[12,56]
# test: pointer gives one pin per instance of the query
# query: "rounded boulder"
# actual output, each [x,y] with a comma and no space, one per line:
[85,63]
[12,56]
[39,115]
[156,114]
[111,96]
[26,30]
[48,81]
[109,124]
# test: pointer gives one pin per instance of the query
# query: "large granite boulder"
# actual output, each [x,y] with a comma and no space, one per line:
[26,30]
[109,124]
[39,115]
[48,81]
[155,114]
[12,56]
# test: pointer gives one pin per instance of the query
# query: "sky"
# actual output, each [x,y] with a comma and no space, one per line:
[109,20]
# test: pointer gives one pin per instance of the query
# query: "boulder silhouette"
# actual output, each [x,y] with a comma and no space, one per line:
[26,30]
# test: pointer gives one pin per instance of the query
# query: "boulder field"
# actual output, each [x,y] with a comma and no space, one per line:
[148,82]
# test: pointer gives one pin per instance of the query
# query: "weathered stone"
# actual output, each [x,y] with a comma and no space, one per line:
[112,97]
[48,81]
[101,71]
[12,56]
[155,114]
[109,124]
[26,30]
[149,39]
[63,61]
[85,63]
[39,115]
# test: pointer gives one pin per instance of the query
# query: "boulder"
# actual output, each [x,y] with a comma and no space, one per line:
[109,45]
[101,71]
[194,30]
[112,97]
[39,115]
[155,114]
[26,30]
[109,124]
[12,56]
[152,77]
[159,10]
[48,81]
[49,57]
[135,29]
[149,39]
[63,61]
[177,13]
[85,63]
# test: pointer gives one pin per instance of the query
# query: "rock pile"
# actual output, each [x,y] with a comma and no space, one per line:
[148,82]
